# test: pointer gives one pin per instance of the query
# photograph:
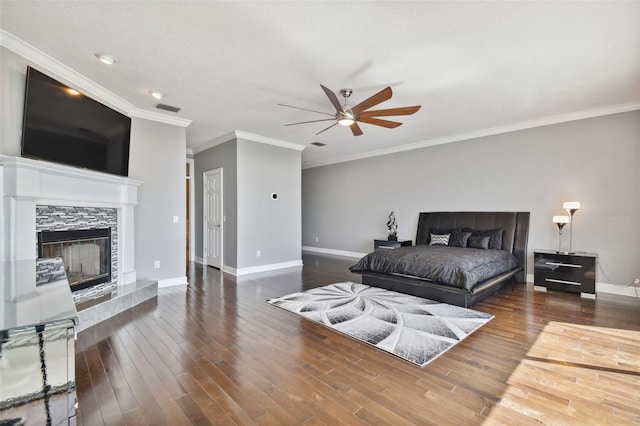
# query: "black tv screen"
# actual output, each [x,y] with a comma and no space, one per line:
[63,126]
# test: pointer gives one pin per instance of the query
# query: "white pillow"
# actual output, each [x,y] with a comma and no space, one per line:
[439,240]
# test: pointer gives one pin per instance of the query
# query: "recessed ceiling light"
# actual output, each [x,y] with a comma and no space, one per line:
[318,143]
[106,58]
[157,94]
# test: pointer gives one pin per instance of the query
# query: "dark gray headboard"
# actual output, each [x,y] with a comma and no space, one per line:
[514,237]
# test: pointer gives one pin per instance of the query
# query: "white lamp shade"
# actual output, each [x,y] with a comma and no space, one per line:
[561,219]
[571,205]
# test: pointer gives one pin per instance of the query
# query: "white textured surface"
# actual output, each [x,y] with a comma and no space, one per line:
[475,67]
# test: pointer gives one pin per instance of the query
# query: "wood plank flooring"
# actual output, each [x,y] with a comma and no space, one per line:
[216,353]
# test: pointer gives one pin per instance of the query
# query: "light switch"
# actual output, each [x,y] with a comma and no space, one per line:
[176,219]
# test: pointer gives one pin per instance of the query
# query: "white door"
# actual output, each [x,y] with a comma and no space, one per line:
[213,218]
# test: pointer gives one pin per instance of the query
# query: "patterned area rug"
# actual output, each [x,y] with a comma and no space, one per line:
[414,329]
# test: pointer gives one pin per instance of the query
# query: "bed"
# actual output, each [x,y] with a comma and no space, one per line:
[459,270]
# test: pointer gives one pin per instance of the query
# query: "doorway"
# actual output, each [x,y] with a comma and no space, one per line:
[213,218]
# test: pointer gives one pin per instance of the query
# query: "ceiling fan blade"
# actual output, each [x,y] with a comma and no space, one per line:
[355,129]
[381,96]
[379,122]
[305,109]
[312,121]
[334,124]
[391,111]
[333,98]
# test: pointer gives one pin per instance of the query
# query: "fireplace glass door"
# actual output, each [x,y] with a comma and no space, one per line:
[86,254]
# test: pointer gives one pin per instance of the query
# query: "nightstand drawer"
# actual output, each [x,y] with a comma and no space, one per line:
[570,282]
[560,261]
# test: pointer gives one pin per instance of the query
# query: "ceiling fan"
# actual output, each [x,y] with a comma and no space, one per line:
[351,116]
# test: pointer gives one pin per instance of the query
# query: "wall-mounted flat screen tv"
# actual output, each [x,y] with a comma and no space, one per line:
[63,126]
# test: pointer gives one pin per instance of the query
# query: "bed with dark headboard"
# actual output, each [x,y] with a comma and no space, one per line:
[515,232]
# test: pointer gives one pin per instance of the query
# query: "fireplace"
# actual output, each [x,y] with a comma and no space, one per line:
[86,254]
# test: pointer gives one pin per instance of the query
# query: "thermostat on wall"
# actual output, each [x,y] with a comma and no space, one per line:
[274,195]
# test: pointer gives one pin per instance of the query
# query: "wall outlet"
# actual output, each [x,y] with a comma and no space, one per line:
[317,239]
[258,253]
[636,281]
[156,264]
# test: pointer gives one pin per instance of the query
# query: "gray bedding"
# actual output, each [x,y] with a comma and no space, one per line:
[459,267]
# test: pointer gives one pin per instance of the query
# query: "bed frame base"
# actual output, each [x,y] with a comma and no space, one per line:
[438,292]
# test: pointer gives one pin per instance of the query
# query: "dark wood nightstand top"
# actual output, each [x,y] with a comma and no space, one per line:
[564,253]
[389,244]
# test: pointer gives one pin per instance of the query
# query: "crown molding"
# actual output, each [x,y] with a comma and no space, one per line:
[237,134]
[156,116]
[269,141]
[71,77]
[78,81]
[546,121]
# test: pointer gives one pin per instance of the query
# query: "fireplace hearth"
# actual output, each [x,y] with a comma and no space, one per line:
[86,254]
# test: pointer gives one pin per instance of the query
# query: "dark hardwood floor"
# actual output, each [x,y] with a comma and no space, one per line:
[216,353]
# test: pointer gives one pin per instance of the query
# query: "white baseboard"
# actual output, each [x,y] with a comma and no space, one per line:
[261,268]
[620,290]
[351,254]
[171,282]
[228,270]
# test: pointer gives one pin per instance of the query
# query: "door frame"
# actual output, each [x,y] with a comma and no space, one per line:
[192,222]
[204,215]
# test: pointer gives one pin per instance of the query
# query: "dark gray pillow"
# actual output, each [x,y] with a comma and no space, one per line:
[495,236]
[459,238]
[478,242]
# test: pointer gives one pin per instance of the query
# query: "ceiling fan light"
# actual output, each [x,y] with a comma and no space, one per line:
[345,118]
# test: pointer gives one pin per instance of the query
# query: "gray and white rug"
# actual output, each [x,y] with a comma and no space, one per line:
[414,329]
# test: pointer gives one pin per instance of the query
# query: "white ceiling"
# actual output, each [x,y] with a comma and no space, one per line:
[475,67]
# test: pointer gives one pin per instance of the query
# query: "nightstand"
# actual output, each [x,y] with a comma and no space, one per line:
[386,244]
[574,272]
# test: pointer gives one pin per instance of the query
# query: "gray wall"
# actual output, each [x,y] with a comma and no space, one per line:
[252,171]
[271,226]
[157,157]
[220,156]
[594,161]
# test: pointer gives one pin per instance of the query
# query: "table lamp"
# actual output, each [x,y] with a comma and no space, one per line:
[571,207]
[561,221]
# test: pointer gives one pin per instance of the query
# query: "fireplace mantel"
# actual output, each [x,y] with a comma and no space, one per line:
[25,183]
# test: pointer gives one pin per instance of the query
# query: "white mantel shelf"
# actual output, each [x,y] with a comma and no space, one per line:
[26,183]
[82,181]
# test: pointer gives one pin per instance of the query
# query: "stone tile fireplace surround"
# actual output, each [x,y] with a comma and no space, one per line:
[37,195]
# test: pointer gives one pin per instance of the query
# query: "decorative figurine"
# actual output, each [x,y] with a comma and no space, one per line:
[392,228]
